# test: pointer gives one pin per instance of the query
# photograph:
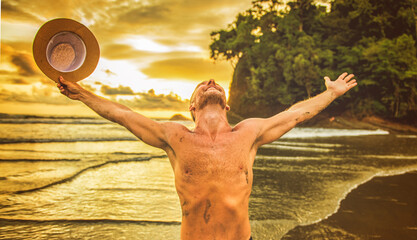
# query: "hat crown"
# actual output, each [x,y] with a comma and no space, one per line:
[65,51]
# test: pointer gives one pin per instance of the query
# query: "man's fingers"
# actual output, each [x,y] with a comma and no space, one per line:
[60,87]
[63,81]
[62,90]
[350,76]
[327,79]
[343,75]
[352,83]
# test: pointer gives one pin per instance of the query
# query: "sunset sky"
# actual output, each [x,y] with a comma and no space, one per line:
[153,53]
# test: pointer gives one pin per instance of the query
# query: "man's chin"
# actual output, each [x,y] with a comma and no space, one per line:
[212,99]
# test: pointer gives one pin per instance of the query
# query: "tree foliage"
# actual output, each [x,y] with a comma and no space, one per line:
[281,52]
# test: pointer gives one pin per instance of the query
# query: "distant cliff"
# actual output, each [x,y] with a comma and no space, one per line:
[239,100]
[179,117]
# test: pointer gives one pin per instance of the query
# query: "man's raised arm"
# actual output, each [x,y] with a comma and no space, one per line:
[274,127]
[149,131]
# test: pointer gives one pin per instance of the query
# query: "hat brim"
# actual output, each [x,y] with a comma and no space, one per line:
[55,26]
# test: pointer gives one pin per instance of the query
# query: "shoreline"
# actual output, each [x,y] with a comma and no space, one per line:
[319,121]
[381,208]
[325,120]
[367,123]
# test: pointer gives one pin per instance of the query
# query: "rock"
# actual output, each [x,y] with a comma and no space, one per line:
[179,117]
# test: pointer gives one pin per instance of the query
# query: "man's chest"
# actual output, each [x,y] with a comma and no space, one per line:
[201,155]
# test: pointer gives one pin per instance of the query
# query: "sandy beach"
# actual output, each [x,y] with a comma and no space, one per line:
[383,208]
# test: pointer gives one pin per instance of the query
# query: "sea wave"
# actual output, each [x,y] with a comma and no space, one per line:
[298,148]
[64,140]
[41,160]
[53,121]
[30,119]
[128,153]
[293,158]
[139,189]
[295,133]
[307,144]
[97,220]
[67,179]
[402,157]
[330,132]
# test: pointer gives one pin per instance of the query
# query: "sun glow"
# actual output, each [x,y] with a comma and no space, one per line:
[145,44]
[119,72]
[125,73]
[17,31]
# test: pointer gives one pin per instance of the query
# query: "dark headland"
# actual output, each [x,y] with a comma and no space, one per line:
[383,208]
[178,117]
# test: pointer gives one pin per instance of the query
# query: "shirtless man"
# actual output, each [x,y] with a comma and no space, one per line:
[212,163]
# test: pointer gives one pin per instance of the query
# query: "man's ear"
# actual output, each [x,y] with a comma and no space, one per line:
[192,107]
[227,107]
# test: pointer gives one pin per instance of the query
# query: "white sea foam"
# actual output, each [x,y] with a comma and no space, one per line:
[288,158]
[330,132]
[390,157]
[406,136]
[298,148]
[309,144]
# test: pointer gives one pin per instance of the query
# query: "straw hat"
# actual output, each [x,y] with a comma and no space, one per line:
[64,47]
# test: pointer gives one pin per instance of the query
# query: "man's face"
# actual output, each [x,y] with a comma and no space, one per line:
[208,92]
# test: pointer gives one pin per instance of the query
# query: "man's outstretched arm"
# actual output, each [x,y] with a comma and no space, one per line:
[274,127]
[147,130]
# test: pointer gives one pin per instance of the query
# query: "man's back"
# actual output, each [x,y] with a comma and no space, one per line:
[213,178]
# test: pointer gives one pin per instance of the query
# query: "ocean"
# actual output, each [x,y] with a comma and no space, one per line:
[88,178]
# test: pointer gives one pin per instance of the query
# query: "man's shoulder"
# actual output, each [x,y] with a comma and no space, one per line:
[174,127]
[248,124]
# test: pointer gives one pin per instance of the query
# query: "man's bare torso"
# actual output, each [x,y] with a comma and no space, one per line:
[213,163]
[213,178]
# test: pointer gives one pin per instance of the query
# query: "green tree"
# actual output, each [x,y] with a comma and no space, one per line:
[281,52]
[376,38]
[392,69]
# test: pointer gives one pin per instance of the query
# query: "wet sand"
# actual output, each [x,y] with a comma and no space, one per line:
[383,208]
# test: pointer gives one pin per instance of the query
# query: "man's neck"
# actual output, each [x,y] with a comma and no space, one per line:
[211,120]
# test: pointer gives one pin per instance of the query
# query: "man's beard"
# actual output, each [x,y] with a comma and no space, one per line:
[212,98]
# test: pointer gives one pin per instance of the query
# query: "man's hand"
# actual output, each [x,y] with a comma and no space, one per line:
[69,89]
[341,85]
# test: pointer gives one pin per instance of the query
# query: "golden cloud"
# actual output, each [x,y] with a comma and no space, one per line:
[121,90]
[191,69]
[123,51]
[141,100]
[152,101]
[47,95]
[24,64]
[21,68]
[12,11]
